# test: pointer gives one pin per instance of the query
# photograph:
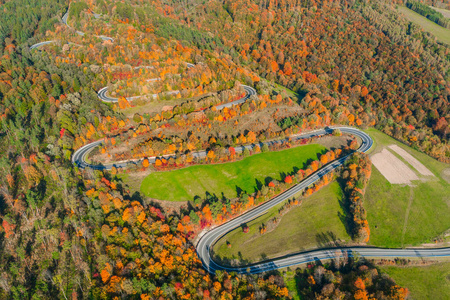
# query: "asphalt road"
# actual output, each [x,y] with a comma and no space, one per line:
[64,20]
[206,242]
[103,93]
[36,46]
[80,156]
[249,91]
[210,237]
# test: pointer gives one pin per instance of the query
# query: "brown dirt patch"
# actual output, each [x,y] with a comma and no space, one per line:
[169,207]
[392,168]
[334,142]
[411,160]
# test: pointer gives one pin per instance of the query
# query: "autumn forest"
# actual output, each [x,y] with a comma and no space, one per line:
[131,130]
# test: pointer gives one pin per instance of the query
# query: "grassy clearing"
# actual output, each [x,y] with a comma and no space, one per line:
[427,282]
[228,178]
[401,215]
[441,33]
[305,227]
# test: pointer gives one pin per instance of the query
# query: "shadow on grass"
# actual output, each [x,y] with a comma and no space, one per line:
[344,203]
[327,239]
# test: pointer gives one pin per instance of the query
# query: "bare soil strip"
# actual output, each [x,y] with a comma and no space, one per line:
[392,168]
[412,160]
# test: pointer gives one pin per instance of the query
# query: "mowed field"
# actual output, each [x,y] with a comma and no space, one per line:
[400,215]
[441,33]
[423,282]
[313,224]
[228,178]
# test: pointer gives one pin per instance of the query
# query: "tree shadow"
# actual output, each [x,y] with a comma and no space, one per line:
[327,239]
[264,257]
[3,205]
[320,153]
[344,204]
[307,163]
[231,261]
[239,191]
[137,197]
[223,198]
[259,184]
[268,180]
[41,189]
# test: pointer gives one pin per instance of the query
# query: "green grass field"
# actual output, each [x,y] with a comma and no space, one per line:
[428,282]
[304,227]
[393,220]
[402,215]
[185,184]
[441,33]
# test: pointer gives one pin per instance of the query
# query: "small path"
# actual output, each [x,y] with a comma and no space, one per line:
[408,209]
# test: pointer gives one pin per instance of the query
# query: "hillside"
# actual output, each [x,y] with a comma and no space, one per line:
[255,118]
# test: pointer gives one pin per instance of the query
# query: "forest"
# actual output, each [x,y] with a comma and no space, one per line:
[73,233]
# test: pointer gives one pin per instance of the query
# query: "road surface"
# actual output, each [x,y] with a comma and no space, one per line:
[79,157]
[103,93]
[64,20]
[208,240]
[38,45]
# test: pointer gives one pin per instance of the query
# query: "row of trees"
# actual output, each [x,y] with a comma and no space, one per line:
[355,177]
[213,210]
[429,13]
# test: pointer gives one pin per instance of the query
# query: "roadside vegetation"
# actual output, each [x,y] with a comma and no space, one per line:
[315,223]
[67,232]
[230,179]
[444,12]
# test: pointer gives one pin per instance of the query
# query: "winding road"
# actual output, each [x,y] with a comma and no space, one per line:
[210,237]
[64,20]
[206,242]
[103,93]
[79,157]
